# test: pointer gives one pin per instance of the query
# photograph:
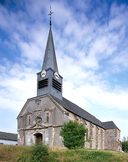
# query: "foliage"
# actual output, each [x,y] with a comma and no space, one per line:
[82,155]
[39,153]
[73,135]
[125,146]
[12,153]
[22,158]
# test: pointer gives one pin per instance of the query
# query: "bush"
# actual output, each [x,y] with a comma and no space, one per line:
[73,135]
[22,158]
[39,153]
[125,146]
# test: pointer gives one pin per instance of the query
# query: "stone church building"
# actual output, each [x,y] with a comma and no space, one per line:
[42,117]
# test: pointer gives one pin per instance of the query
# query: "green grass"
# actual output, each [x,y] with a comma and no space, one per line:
[84,155]
[13,153]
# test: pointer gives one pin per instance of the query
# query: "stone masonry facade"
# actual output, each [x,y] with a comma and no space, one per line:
[53,116]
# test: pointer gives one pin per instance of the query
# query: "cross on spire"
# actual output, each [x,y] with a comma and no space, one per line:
[50,13]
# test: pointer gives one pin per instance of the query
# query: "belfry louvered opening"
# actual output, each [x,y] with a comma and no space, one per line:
[43,83]
[57,85]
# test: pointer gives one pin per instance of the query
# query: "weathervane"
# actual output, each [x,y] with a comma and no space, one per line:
[50,13]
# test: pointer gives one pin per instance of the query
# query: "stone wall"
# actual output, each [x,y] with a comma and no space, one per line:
[53,116]
[112,141]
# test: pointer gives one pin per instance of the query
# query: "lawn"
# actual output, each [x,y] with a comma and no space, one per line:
[13,153]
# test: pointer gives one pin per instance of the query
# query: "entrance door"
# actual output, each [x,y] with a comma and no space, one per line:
[38,138]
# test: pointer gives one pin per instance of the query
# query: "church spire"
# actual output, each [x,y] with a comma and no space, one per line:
[50,56]
[49,81]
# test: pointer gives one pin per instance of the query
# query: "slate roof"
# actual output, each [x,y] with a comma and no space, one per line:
[68,105]
[75,109]
[50,56]
[8,136]
[109,125]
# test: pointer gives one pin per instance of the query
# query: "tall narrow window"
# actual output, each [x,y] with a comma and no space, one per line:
[29,119]
[47,117]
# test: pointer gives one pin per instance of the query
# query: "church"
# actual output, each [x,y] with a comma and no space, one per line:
[41,118]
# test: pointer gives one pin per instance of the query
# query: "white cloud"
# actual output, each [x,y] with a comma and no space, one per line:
[36,8]
[81,46]
[30,51]
[111,99]
[14,85]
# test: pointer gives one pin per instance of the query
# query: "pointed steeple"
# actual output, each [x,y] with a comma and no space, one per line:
[49,81]
[50,56]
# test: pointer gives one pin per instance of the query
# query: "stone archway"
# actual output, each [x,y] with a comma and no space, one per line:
[38,138]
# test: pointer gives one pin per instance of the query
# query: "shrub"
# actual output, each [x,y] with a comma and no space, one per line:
[39,153]
[22,158]
[73,135]
[125,146]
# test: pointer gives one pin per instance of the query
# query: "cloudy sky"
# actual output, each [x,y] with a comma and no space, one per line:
[91,42]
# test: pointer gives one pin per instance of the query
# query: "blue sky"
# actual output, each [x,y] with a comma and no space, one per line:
[91,45]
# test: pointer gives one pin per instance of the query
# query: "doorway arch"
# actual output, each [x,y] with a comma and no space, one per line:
[38,138]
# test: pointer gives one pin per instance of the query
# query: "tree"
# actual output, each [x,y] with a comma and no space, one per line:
[73,134]
[125,146]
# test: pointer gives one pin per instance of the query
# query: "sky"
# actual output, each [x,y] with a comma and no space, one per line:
[90,38]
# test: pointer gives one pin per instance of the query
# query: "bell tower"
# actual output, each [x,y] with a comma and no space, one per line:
[49,81]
